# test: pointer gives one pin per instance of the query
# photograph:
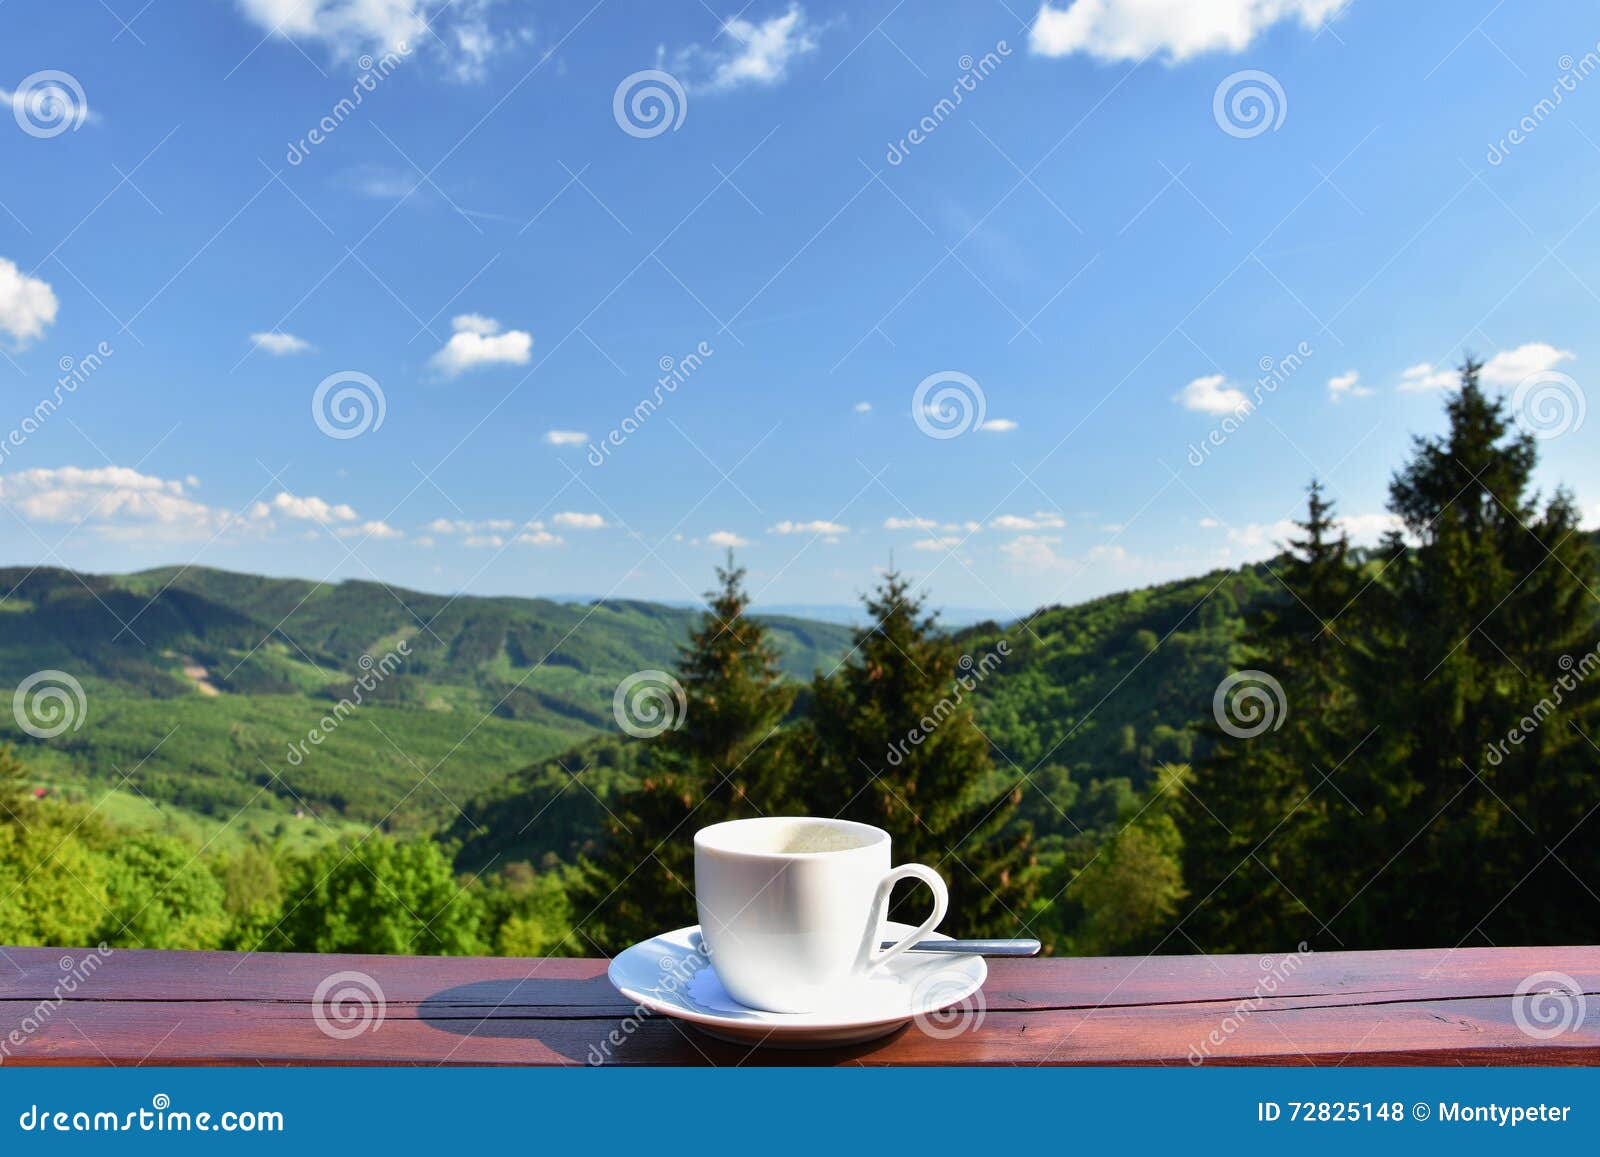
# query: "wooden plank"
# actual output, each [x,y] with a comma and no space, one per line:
[1052,982]
[1426,1007]
[1475,1031]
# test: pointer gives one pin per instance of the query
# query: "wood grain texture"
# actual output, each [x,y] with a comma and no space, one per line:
[1413,1007]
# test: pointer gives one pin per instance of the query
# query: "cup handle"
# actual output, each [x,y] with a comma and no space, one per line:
[880,912]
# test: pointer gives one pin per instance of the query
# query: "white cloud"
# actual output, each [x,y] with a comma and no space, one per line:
[120,503]
[309,508]
[1363,529]
[470,526]
[565,437]
[863,407]
[1426,376]
[460,29]
[749,53]
[1114,30]
[1213,395]
[909,524]
[280,344]
[493,533]
[999,426]
[726,538]
[1039,520]
[816,526]
[1509,367]
[104,495]
[27,304]
[944,542]
[574,520]
[1347,385]
[1033,552]
[478,341]
[373,529]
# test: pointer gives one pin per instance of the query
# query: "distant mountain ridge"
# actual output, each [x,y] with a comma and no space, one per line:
[204,679]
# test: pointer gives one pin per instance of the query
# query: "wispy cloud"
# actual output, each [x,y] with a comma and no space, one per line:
[726,538]
[1347,385]
[1039,520]
[566,437]
[748,52]
[1425,376]
[577,520]
[829,530]
[280,344]
[463,33]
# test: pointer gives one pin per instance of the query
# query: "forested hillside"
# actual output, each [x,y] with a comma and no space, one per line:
[1345,748]
[204,680]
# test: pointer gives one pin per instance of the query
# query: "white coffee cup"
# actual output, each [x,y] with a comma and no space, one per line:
[792,908]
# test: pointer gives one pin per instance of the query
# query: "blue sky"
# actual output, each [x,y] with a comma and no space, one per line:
[1097,242]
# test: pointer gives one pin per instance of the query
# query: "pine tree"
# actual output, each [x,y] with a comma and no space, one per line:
[1265,799]
[726,759]
[1485,626]
[894,743]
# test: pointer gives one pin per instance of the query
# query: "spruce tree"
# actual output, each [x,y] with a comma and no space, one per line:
[894,743]
[725,760]
[1263,802]
[1480,631]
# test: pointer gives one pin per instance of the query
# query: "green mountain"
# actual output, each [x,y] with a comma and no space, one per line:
[202,690]
[1099,692]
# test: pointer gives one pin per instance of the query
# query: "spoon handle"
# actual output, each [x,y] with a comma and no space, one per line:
[975,947]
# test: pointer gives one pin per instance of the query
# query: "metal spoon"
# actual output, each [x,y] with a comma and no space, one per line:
[974,947]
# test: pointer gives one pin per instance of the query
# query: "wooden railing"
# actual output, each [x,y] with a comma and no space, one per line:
[1418,1007]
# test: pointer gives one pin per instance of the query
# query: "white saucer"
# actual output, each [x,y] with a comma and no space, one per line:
[671,975]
